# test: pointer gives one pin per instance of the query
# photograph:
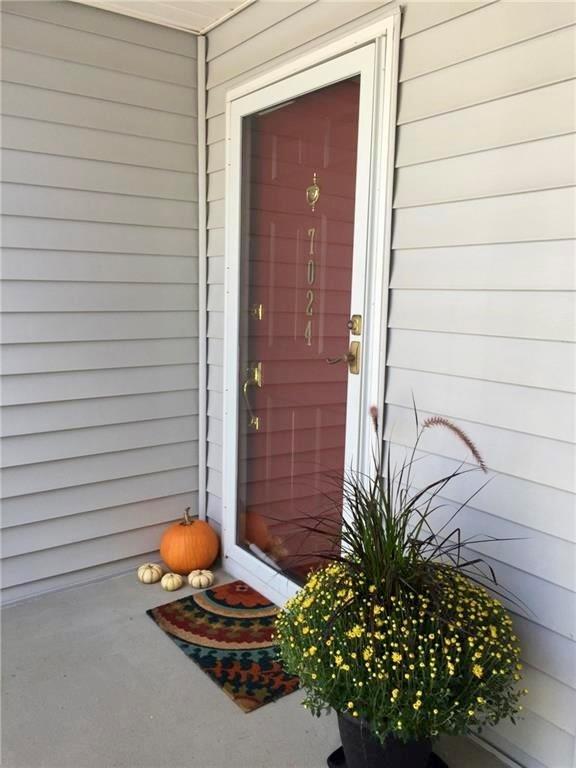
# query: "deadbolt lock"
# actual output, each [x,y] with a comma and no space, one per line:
[355,325]
[256,311]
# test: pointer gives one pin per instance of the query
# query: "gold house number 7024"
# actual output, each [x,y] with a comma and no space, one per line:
[310,277]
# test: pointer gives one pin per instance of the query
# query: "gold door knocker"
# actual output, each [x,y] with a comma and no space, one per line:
[313,193]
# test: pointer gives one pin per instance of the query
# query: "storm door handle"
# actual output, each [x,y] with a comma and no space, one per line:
[253,379]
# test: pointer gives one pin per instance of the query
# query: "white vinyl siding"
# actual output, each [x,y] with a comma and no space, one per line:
[481,320]
[100,291]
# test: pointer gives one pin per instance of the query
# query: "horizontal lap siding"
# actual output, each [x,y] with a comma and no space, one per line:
[99,294]
[482,313]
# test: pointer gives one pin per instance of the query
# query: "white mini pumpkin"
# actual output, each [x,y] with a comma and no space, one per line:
[200,579]
[150,573]
[171,581]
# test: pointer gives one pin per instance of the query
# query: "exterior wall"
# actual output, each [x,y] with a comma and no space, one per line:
[481,314]
[100,291]
[482,317]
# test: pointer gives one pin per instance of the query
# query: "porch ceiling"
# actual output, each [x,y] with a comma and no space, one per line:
[189,15]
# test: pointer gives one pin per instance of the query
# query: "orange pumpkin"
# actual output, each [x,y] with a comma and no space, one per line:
[257,531]
[189,545]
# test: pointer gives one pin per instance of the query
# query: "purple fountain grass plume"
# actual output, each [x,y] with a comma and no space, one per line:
[440,421]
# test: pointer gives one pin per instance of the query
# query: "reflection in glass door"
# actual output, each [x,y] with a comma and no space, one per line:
[297,339]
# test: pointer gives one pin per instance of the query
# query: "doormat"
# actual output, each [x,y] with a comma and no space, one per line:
[227,630]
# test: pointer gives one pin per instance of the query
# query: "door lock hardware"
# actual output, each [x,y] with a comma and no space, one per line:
[355,325]
[256,311]
[352,358]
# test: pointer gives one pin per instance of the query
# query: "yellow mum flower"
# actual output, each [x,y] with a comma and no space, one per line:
[396,657]
[417,704]
[312,650]
[356,631]
[477,671]
[395,693]
[338,659]
[368,653]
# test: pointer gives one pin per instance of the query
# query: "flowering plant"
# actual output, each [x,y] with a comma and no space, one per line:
[399,631]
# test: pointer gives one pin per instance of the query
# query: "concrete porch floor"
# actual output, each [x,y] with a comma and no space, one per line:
[90,682]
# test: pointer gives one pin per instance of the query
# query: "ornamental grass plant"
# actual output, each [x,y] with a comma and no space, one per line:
[400,630]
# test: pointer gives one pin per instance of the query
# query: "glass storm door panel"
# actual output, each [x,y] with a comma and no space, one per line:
[297,242]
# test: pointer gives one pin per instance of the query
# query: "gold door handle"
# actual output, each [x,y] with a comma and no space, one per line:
[352,357]
[253,379]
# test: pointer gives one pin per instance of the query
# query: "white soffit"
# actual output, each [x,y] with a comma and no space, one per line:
[190,15]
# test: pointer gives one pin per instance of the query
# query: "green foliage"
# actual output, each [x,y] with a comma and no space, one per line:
[399,630]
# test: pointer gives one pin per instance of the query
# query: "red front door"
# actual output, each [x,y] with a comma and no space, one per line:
[299,200]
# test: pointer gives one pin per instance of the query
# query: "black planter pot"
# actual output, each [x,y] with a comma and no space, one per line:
[361,749]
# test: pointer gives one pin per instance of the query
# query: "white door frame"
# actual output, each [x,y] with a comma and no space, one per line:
[373,53]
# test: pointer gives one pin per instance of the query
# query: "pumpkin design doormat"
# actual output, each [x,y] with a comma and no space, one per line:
[227,630]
